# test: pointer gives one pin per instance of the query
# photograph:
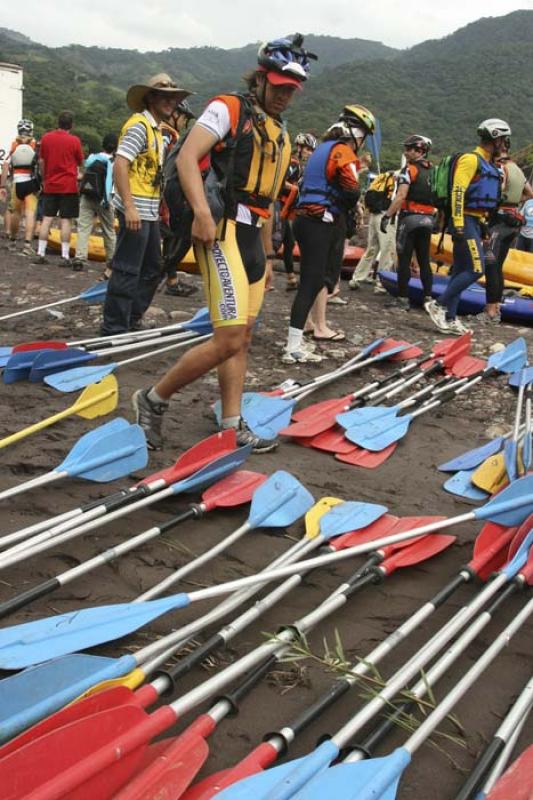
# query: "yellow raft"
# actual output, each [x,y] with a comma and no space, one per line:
[518,267]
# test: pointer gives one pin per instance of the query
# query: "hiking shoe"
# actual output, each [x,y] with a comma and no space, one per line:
[488,319]
[456,327]
[437,315]
[64,262]
[12,246]
[27,250]
[77,264]
[337,300]
[379,288]
[353,284]
[246,436]
[180,289]
[150,417]
[302,356]
[400,303]
[40,260]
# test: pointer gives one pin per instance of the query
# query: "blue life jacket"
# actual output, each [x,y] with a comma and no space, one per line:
[527,211]
[315,187]
[485,190]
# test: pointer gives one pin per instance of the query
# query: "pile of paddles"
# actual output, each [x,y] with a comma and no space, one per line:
[79,725]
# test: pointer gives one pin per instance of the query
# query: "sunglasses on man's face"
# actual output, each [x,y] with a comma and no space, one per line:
[415,148]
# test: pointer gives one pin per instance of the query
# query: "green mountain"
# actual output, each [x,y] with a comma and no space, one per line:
[441,88]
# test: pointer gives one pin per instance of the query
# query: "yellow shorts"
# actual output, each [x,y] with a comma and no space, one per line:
[28,204]
[233,272]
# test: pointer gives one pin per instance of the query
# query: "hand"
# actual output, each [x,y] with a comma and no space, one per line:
[269,275]
[132,218]
[384,224]
[3,192]
[203,229]
[458,235]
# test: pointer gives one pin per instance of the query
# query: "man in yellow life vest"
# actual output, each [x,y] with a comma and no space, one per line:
[233,256]
[137,177]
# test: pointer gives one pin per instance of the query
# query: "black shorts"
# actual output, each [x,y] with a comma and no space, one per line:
[66,205]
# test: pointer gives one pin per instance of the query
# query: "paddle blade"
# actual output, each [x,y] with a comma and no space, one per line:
[461,485]
[316,418]
[95,294]
[195,458]
[331,441]
[490,549]
[407,352]
[520,378]
[32,642]
[350,516]
[381,527]
[200,323]
[28,346]
[234,490]
[510,457]
[358,457]
[363,416]
[466,366]
[511,506]
[18,366]
[491,476]
[511,359]
[379,434]
[279,502]
[516,782]
[72,380]
[97,399]
[56,361]
[213,471]
[416,552]
[473,458]
[315,514]
[110,457]
[86,441]
[266,416]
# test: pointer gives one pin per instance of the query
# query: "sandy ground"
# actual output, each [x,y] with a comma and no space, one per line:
[408,484]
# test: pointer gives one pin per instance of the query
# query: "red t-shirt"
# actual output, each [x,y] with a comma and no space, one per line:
[62,154]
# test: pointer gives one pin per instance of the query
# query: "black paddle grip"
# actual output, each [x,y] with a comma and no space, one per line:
[25,598]
[481,770]
[110,499]
[191,513]
[440,598]
[192,659]
[246,685]
[311,713]
[114,503]
[358,582]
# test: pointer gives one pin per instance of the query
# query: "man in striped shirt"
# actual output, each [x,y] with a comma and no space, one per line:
[137,176]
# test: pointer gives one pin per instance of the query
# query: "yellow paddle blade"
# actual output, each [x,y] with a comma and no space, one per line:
[491,475]
[97,399]
[314,515]
[132,680]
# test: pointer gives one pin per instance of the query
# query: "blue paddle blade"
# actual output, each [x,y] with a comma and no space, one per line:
[5,355]
[520,557]
[279,501]
[19,365]
[366,351]
[266,416]
[31,695]
[513,358]
[361,416]
[247,398]
[88,439]
[110,457]
[72,380]
[461,485]
[57,360]
[510,456]
[521,377]
[350,516]
[511,506]
[527,449]
[33,642]
[95,294]
[284,781]
[473,458]
[380,433]
[375,779]
[200,323]
[213,471]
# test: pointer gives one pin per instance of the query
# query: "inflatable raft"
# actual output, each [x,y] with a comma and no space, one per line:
[518,266]
[513,309]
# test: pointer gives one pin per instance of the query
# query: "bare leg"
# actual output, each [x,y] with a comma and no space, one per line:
[318,312]
[66,227]
[14,224]
[231,375]
[44,228]
[29,227]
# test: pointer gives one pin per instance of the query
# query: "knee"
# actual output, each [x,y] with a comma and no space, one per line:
[230,342]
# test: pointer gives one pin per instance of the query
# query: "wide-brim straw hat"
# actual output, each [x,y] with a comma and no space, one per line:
[161,82]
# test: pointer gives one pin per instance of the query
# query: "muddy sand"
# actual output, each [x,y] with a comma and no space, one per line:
[408,484]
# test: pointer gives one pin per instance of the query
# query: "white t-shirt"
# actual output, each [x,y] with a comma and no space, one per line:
[215,119]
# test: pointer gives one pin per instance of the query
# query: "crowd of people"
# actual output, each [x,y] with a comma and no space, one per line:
[249,197]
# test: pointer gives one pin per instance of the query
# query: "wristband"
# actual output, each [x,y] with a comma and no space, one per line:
[270,256]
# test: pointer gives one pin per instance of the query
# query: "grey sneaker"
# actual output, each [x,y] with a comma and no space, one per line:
[401,303]
[456,327]
[246,436]
[77,264]
[437,315]
[28,250]
[150,417]
[354,284]
[40,260]
[488,319]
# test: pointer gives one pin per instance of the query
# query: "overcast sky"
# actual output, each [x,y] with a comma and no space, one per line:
[158,24]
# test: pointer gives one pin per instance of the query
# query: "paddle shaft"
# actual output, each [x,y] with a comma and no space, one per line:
[40,308]
[501,763]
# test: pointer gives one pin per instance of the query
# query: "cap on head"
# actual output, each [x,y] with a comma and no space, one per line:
[285,61]
[163,83]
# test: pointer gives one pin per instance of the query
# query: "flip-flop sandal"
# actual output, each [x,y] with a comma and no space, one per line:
[338,336]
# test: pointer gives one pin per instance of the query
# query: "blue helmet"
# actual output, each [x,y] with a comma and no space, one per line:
[286,56]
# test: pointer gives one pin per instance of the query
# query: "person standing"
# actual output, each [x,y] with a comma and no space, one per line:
[525,238]
[95,201]
[380,246]
[329,190]
[231,255]
[475,193]
[21,172]
[60,158]
[416,218]
[137,172]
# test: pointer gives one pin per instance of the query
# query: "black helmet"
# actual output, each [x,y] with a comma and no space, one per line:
[417,140]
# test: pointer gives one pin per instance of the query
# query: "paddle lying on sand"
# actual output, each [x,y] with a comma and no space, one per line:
[29,643]
[96,400]
[95,294]
[109,452]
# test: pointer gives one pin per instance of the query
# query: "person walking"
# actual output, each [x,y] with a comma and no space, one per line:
[231,255]
[475,193]
[20,173]
[416,218]
[95,202]
[329,189]
[380,248]
[60,158]
[137,172]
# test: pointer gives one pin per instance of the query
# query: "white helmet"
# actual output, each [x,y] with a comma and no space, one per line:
[342,130]
[493,129]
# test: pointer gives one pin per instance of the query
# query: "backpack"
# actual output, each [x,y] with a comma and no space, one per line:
[379,194]
[93,181]
[33,184]
[217,179]
[440,179]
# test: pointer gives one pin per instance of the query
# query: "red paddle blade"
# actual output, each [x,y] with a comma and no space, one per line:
[381,527]
[196,457]
[359,457]
[417,551]
[466,366]
[256,761]
[516,782]
[26,346]
[93,704]
[413,351]
[490,549]
[519,536]
[316,418]
[332,441]
[444,345]
[234,490]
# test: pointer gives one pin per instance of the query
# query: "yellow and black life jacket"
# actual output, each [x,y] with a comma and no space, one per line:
[144,170]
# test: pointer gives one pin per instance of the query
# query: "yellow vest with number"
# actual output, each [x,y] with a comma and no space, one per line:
[144,170]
